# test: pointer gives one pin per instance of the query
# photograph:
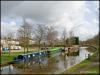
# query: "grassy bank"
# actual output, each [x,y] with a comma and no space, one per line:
[88,66]
[5,57]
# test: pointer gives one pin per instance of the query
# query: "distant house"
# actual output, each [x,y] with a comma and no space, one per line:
[32,42]
[14,44]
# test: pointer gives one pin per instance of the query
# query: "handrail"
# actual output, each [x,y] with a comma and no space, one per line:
[90,46]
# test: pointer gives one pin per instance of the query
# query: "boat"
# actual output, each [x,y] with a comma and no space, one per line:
[34,55]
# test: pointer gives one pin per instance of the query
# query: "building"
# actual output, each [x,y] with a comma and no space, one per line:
[14,44]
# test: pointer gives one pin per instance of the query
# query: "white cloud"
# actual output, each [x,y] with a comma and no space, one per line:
[8,27]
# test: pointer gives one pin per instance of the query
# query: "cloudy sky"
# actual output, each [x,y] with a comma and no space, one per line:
[80,16]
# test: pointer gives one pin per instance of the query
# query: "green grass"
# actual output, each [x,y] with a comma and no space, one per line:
[54,49]
[76,67]
[5,57]
[94,69]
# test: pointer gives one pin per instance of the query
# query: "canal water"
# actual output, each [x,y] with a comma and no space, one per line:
[55,64]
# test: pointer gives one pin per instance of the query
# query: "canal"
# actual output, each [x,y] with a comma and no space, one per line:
[55,64]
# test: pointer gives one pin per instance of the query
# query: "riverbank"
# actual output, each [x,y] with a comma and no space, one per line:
[88,66]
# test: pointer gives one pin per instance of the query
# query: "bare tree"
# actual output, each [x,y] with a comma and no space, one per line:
[8,39]
[39,33]
[51,35]
[21,37]
[64,37]
[71,35]
[25,34]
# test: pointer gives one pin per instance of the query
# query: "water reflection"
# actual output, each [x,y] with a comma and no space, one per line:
[52,65]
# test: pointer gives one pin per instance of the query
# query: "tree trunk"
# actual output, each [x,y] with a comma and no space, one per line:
[24,49]
[9,50]
[27,48]
[27,45]
[38,56]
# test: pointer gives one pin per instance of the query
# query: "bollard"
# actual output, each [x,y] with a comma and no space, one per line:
[0,69]
[88,56]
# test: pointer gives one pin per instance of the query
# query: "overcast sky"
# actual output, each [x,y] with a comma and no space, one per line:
[80,16]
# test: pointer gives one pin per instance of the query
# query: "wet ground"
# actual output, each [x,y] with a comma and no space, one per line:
[55,64]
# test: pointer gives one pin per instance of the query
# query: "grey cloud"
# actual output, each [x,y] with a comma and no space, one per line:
[38,10]
[7,6]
